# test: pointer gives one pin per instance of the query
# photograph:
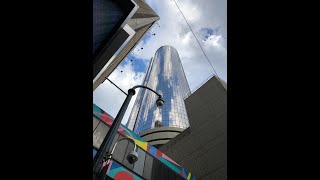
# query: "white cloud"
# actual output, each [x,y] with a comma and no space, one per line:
[174,32]
[213,40]
[186,39]
[109,98]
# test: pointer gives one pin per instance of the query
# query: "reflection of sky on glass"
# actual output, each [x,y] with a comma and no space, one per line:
[166,76]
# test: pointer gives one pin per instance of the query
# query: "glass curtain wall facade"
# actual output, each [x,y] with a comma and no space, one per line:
[166,76]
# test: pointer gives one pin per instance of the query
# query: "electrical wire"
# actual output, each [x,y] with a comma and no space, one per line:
[198,43]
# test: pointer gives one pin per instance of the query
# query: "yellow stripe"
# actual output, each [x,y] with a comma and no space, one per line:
[141,144]
[189,176]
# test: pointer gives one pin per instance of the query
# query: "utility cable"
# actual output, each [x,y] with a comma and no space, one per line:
[198,42]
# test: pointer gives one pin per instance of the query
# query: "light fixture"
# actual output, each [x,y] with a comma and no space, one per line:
[159,102]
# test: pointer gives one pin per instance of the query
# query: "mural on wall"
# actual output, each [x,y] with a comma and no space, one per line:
[124,131]
[117,172]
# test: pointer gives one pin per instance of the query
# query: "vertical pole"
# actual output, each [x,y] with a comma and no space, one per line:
[107,141]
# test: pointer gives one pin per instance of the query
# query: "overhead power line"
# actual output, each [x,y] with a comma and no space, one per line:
[198,42]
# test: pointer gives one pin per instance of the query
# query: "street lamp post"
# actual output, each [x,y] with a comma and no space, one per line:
[132,158]
[107,141]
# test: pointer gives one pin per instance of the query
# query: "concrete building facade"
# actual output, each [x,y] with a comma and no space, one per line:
[202,148]
[117,28]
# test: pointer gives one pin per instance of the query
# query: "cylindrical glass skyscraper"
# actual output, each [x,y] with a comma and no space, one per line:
[166,76]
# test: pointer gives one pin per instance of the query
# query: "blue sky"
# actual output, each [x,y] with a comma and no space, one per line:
[139,65]
[206,32]
[208,19]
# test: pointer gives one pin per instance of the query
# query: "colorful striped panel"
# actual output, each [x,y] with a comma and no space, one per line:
[124,131]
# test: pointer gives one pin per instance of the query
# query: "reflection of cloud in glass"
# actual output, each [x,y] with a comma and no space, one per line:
[167,77]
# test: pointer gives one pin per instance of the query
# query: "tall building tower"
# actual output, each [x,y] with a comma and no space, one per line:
[166,76]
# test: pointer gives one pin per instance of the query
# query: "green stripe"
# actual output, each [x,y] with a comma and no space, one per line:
[170,165]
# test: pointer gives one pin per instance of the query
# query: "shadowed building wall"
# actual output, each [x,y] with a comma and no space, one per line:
[202,148]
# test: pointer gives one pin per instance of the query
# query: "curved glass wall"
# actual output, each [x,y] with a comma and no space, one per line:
[166,76]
